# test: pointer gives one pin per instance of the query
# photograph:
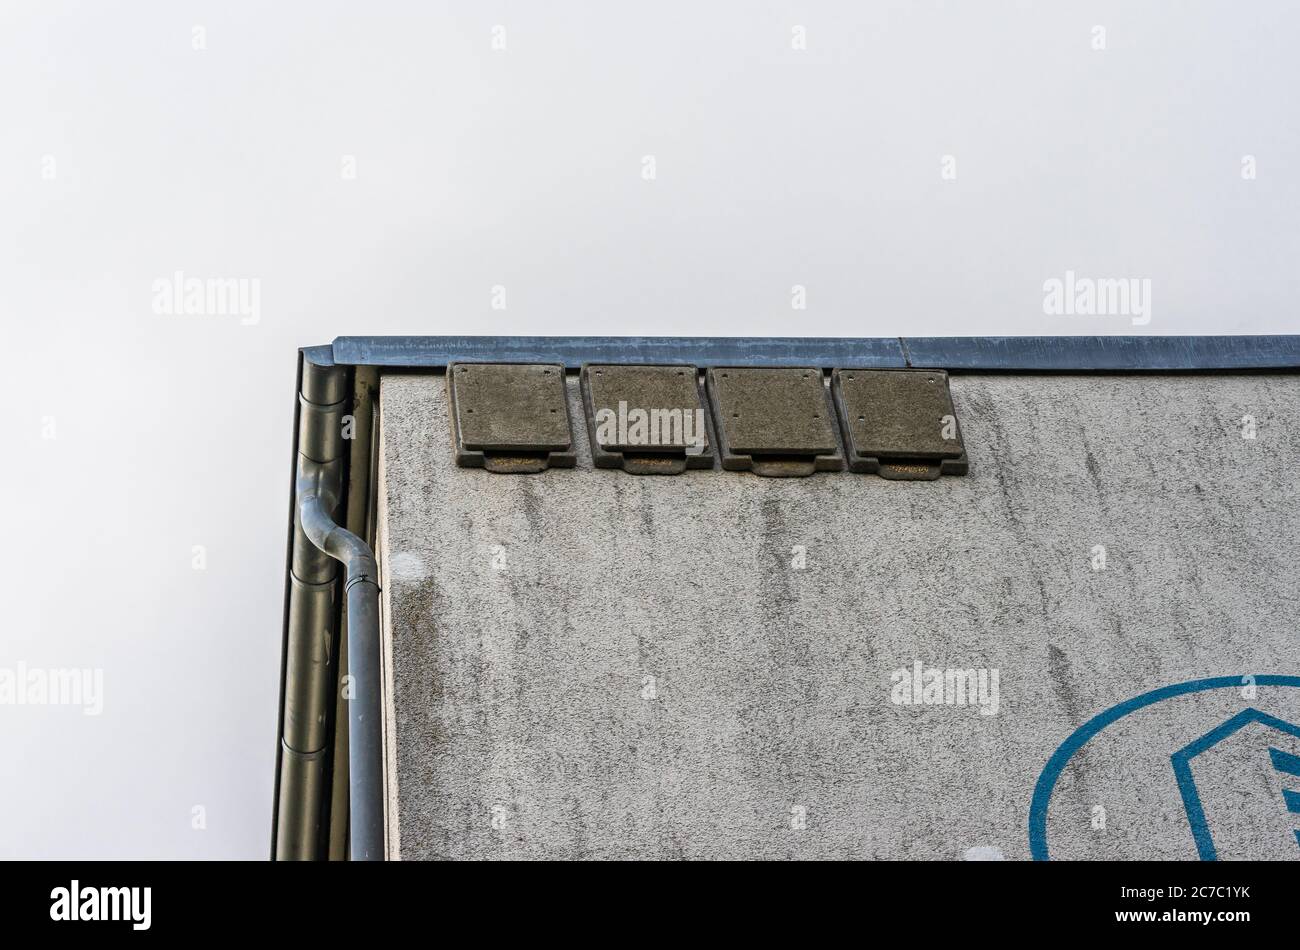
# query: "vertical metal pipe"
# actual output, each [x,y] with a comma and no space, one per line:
[365,726]
[310,646]
[316,492]
[365,386]
[303,782]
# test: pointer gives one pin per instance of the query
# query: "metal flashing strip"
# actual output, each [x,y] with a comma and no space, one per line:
[976,353]
[1104,353]
[573,351]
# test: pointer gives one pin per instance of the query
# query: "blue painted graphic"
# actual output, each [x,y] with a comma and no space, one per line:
[1061,757]
[1289,765]
[1182,760]
[1285,761]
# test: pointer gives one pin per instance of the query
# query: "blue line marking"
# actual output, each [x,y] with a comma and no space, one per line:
[1292,800]
[1285,761]
[1182,762]
[1061,757]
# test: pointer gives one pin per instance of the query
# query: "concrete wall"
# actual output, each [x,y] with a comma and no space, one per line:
[589,664]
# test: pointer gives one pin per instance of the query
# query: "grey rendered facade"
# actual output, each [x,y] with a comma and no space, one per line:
[587,663]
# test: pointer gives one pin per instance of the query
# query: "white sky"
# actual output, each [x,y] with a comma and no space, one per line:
[126,155]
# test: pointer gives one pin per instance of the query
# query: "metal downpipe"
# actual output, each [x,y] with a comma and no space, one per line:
[317,493]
